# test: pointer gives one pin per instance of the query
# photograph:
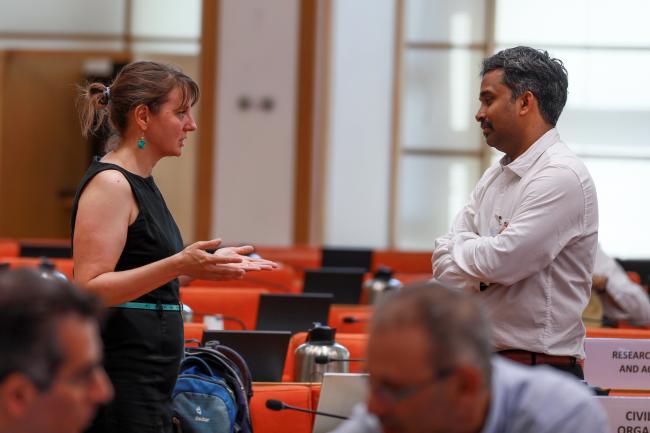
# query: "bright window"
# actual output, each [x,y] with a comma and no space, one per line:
[606,49]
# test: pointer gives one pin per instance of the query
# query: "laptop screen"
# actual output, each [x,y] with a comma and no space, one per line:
[344,283]
[340,392]
[295,313]
[346,258]
[263,351]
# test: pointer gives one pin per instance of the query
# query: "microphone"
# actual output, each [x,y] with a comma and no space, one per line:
[278,405]
[352,319]
[324,359]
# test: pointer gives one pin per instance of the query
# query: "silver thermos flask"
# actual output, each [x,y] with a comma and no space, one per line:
[48,270]
[381,284]
[320,354]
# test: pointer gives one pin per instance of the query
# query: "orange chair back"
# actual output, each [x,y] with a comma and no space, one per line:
[299,257]
[315,393]
[241,303]
[403,261]
[62,265]
[280,280]
[193,331]
[9,248]
[618,333]
[357,315]
[268,421]
[634,276]
[355,343]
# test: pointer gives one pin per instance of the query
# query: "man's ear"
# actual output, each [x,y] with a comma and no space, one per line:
[17,392]
[141,116]
[527,102]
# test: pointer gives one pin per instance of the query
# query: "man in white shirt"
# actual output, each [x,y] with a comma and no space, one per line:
[622,298]
[432,371]
[526,241]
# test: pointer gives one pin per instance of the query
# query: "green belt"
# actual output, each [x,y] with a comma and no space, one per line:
[148,306]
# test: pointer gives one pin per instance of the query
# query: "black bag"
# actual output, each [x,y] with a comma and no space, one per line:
[213,392]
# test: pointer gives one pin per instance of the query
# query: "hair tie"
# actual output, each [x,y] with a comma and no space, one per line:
[107,92]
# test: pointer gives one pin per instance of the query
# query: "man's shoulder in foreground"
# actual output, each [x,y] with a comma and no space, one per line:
[541,400]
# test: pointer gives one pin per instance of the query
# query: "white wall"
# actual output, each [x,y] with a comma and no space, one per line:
[358,166]
[62,16]
[254,157]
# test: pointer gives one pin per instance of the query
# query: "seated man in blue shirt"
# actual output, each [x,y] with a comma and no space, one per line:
[432,370]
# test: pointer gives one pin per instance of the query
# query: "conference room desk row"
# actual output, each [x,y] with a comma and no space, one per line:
[284,279]
[240,306]
[356,342]
[306,395]
[302,257]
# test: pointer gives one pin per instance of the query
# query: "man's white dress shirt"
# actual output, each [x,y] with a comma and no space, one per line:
[530,230]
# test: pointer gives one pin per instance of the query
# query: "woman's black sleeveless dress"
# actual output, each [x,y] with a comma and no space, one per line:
[142,347]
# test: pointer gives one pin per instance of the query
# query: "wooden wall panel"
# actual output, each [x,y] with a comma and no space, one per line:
[43,154]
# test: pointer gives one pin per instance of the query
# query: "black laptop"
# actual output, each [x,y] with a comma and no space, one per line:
[346,258]
[263,351]
[294,313]
[344,283]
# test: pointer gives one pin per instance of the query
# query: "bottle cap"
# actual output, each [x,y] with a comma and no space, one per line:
[321,334]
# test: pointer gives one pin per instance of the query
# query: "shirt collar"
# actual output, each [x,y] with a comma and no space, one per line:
[520,165]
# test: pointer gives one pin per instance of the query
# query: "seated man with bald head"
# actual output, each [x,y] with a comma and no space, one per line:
[51,374]
[432,369]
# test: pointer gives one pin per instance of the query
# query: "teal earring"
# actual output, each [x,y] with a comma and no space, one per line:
[141,142]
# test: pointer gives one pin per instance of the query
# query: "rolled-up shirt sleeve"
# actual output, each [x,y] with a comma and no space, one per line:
[549,216]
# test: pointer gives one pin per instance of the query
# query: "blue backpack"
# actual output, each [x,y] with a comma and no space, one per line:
[212,392]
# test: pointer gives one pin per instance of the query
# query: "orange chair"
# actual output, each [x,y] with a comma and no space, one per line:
[350,319]
[315,393]
[299,257]
[281,280]
[239,303]
[268,421]
[193,331]
[62,265]
[403,261]
[355,343]
[634,276]
[9,248]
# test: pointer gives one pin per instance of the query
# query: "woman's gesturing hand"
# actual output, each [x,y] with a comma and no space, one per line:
[247,263]
[196,262]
